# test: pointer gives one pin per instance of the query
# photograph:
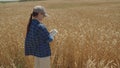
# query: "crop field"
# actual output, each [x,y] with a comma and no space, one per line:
[88,33]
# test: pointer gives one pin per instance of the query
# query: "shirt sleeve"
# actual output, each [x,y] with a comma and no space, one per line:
[45,35]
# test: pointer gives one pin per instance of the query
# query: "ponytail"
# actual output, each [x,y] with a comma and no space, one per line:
[34,14]
[29,23]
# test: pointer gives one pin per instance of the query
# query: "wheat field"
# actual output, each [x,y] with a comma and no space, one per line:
[88,33]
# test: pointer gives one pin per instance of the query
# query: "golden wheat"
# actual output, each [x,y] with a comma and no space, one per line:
[89,33]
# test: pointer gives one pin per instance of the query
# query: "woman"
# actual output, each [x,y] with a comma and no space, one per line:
[38,38]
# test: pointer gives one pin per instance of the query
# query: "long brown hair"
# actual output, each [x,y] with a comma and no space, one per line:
[34,14]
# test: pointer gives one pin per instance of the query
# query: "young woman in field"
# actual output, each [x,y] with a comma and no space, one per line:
[38,38]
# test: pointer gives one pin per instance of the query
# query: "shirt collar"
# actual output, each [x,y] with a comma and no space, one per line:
[36,21]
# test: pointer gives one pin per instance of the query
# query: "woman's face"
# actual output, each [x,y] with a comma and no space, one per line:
[40,16]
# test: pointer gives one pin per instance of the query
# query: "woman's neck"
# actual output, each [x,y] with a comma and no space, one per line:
[37,19]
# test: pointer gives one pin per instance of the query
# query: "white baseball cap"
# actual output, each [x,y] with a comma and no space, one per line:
[40,9]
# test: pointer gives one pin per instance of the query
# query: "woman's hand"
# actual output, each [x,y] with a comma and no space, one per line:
[53,32]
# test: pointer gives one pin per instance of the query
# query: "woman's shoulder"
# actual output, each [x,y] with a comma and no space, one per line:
[38,25]
[41,25]
[34,22]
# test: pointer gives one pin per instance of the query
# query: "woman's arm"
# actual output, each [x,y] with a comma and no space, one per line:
[45,35]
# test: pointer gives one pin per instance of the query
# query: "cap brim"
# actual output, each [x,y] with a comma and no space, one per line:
[46,15]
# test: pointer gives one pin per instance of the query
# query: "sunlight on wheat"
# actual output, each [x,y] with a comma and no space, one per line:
[88,33]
